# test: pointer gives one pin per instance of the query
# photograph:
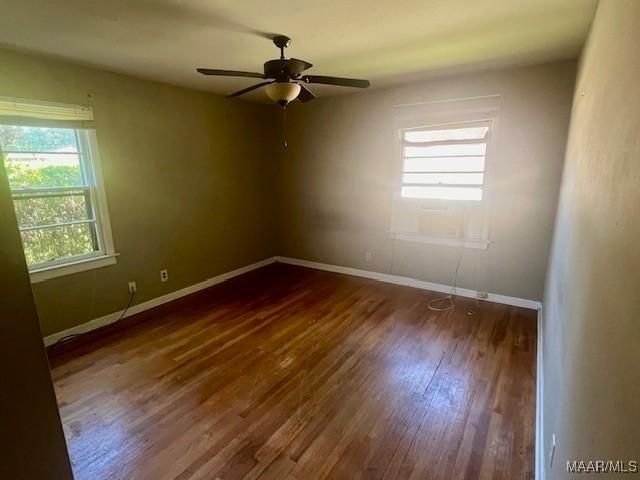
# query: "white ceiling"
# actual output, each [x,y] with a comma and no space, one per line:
[386,41]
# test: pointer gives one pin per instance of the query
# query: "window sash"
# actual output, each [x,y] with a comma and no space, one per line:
[475,149]
[443,164]
[35,267]
[54,225]
[444,178]
[49,191]
[98,247]
[436,143]
[442,192]
[437,169]
[41,152]
[88,189]
[474,134]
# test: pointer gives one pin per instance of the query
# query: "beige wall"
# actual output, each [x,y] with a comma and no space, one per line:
[32,443]
[592,297]
[337,174]
[188,178]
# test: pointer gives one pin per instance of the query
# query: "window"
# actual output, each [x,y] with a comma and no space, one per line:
[59,202]
[444,153]
[445,162]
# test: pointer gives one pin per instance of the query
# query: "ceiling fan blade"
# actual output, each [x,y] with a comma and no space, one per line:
[297,66]
[305,94]
[248,89]
[229,73]
[343,82]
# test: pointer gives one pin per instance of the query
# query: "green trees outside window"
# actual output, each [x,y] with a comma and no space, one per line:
[50,182]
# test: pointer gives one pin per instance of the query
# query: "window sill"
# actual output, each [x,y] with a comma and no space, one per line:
[44,274]
[451,242]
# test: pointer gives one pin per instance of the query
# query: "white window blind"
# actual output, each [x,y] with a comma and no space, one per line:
[18,107]
[445,162]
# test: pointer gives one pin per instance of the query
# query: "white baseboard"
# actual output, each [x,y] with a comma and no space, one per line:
[383,277]
[539,458]
[154,302]
[412,282]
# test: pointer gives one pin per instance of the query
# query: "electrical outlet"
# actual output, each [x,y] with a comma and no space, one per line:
[368,256]
[132,287]
[552,450]
[164,275]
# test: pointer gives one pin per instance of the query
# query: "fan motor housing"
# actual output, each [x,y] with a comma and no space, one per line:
[277,69]
[285,68]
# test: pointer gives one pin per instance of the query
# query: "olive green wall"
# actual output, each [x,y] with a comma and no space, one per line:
[188,177]
[592,298]
[339,171]
[32,445]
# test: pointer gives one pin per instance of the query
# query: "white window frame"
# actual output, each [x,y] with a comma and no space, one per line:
[90,160]
[442,114]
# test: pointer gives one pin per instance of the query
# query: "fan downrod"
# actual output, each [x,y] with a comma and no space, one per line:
[282,42]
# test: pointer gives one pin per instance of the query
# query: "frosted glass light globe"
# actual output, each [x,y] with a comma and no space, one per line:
[283,92]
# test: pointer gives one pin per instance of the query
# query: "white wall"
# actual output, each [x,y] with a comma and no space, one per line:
[592,298]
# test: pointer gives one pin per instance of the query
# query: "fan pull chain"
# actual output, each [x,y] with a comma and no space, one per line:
[284,127]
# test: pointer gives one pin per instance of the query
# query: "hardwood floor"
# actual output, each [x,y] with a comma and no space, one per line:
[293,374]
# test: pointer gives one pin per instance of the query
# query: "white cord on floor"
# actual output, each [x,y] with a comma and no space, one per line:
[449,298]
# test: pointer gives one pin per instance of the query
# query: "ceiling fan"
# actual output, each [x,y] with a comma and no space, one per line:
[286,81]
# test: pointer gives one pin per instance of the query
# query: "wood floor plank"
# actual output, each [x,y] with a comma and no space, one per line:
[290,373]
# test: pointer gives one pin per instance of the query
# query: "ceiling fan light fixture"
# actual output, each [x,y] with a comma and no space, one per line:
[284,80]
[283,92]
